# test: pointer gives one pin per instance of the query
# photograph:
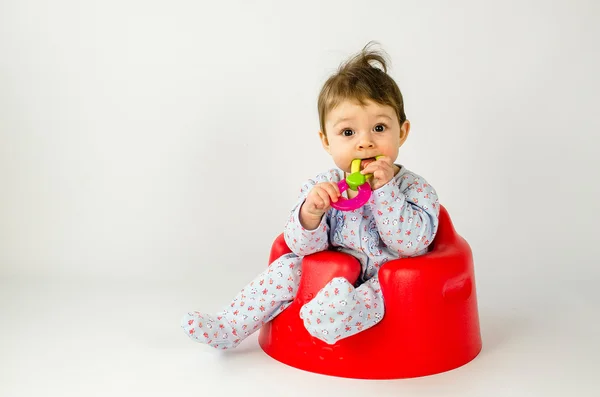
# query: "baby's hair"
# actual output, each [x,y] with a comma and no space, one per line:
[361,78]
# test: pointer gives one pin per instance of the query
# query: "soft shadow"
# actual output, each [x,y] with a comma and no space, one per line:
[246,348]
[500,329]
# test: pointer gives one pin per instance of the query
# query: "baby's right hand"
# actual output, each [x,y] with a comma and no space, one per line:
[318,201]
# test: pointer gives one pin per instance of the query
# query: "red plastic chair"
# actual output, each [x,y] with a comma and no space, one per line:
[431,321]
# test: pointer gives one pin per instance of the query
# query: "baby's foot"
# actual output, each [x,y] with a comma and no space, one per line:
[211,330]
[327,315]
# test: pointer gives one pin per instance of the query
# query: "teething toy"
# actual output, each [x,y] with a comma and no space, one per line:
[357,182]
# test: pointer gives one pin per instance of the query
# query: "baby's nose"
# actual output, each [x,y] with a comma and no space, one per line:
[365,144]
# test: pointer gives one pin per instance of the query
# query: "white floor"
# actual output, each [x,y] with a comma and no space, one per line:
[85,337]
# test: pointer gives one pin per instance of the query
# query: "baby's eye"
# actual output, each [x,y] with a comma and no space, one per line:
[379,128]
[347,132]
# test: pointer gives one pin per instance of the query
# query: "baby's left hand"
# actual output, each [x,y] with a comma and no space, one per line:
[383,170]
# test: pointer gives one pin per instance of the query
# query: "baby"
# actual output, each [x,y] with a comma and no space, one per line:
[361,115]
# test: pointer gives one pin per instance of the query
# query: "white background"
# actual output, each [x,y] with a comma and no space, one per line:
[150,152]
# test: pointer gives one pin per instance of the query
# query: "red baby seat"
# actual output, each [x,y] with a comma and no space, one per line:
[430,325]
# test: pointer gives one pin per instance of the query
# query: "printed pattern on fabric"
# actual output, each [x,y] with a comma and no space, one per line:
[271,292]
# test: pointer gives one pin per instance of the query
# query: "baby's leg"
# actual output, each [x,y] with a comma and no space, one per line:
[260,301]
[339,310]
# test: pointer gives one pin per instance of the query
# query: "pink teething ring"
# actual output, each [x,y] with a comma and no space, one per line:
[344,204]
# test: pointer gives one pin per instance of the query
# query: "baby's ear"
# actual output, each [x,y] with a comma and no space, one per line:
[324,141]
[404,130]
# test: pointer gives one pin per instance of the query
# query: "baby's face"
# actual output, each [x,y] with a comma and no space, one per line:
[356,131]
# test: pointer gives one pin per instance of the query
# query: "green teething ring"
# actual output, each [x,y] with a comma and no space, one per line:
[355,179]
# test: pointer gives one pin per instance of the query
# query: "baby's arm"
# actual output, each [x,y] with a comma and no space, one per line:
[406,211]
[307,229]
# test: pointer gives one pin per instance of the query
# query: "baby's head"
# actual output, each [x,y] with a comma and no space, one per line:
[361,111]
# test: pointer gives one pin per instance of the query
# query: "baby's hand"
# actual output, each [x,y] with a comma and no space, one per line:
[383,170]
[318,201]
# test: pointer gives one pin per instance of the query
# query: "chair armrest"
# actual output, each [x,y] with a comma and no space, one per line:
[320,268]
[278,248]
[445,273]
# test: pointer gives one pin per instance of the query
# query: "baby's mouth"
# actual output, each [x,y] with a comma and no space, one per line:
[365,162]
[360,164]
